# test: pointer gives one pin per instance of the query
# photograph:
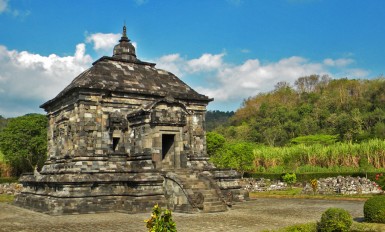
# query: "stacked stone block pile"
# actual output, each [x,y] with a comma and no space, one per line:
[344,185]
[332,185]
[262,184]
[10,188]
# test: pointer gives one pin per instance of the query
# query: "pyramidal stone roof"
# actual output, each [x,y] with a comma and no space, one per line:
[123,72]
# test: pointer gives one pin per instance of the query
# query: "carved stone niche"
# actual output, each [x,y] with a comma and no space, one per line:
[117,125]
[168,113]
[117,122]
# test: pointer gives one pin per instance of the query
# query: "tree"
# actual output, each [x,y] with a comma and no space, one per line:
[3,122]
[236,155]
[24,143]
[307,83]
[214,142]
[217,118]
[353,109]
[379,130]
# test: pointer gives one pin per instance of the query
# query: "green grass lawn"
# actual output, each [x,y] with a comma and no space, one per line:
[5,198]
[312,227]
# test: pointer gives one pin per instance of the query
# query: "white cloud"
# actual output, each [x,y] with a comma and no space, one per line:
[103,42]
[172,63]
[6,8]
[245,50]
[180,66]
[206,62]
[28,79]
[354,73]
[32,77]
[252,77]
[228,82]
[338,62]
[3,6]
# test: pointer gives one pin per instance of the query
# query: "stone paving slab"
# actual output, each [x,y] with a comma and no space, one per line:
[255,215]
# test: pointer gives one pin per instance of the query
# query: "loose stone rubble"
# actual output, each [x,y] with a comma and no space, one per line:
[10,188]
[123,136]
[344,185]
[262,184]
[331,185]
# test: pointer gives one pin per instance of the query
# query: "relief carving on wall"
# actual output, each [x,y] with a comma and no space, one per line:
[117,122]
[169,113]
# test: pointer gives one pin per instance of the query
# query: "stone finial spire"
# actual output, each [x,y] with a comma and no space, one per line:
[124,35]
[125,50]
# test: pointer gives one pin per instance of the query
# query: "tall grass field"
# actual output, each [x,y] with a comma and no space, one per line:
[338,157]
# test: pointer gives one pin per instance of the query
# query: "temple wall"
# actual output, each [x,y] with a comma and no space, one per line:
[85,133]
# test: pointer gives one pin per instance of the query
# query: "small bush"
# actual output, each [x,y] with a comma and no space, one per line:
[290,179]
[160,221]
[335,219]
[374,209]
[309,227]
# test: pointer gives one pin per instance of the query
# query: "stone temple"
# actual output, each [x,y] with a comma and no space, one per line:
[124,136]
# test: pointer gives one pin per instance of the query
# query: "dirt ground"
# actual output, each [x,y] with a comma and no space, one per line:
[255,215]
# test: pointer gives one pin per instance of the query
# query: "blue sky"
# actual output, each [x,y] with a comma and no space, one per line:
[227,49]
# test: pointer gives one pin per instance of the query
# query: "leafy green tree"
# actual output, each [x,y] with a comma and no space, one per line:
[217,118]
[235,155]
[214,142]
[353,109]
[379,130]
[3,122]
[24,142]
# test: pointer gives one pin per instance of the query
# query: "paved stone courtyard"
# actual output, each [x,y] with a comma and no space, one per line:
[255,215]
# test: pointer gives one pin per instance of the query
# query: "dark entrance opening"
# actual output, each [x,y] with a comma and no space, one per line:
[115,142]
[167,144]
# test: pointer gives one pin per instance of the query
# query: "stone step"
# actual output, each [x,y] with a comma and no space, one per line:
[213,209]
[191,180]
[213,203]
[212,199]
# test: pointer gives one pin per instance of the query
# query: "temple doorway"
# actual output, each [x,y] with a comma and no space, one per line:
[168,151]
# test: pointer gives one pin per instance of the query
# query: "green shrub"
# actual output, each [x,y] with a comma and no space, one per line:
[335,219]
[309,227]
[289,178]
[160,221]
[374,209]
